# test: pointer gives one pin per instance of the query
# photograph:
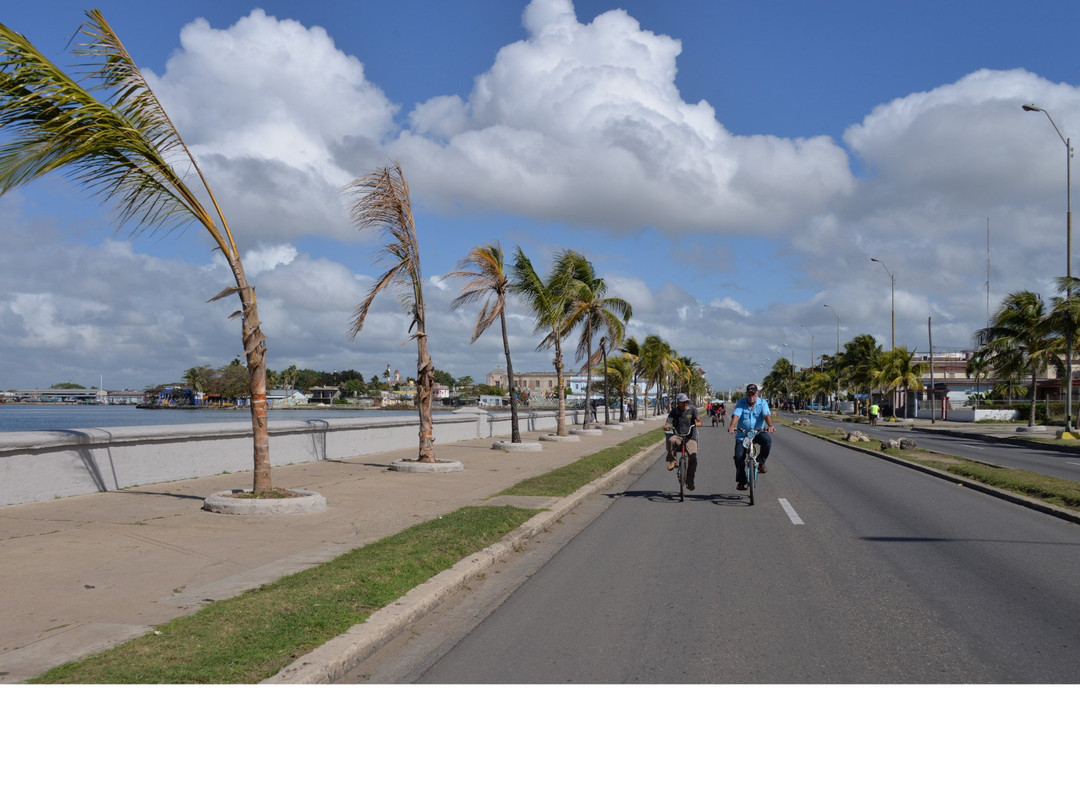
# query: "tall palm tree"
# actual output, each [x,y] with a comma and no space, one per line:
[381,200]
[976,368]
[1020,335]
[894,370]
[658,364]
[619,379]
[547,300]
[858,360]
[488,281]
[1065,321]
[594,313]
[113,137]
[632,350]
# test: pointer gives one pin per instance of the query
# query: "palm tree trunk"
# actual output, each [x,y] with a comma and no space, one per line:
[560,427]
[515,433]
[425,382]
[588,374]
[1034,398]
[255,355]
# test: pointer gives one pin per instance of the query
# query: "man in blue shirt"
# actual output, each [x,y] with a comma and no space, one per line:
[751,412]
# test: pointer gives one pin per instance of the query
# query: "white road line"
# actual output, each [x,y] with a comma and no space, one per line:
[794,517]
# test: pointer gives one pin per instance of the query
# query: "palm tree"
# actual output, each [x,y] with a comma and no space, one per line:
[658,362]
[593,312]
[858,360]
[1020,336]
[894,370]
[114,138]
[1065,319]
[547,300]
[632,351]
[976,368]
[488,280]
[381,200]
[619,378]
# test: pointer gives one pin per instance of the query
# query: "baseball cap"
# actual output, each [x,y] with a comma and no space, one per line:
[751,388]
[681,398]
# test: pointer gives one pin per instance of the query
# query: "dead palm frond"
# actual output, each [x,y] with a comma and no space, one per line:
[380,200]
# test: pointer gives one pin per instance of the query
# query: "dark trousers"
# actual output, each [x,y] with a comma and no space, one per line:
[674,445]
[764,441]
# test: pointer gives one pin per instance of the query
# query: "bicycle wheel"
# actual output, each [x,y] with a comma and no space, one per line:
[751,470]
[681,471]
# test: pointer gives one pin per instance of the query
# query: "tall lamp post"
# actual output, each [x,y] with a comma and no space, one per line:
[811,366]
[837,316]
[1068,261]
[892,278]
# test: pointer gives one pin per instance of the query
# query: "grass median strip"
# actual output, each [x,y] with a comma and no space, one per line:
[1051,490]
[254,635]
[564,481]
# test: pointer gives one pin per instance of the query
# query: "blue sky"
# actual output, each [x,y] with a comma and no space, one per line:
[729,168]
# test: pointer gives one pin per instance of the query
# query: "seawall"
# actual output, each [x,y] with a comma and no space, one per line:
[36,466]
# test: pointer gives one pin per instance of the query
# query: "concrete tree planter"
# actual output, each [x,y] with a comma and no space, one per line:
[508,446]
[301,502]
[419,467]
[588,431]
[560,438]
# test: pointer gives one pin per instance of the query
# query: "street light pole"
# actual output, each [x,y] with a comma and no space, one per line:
[837,316]
[892,278]
[1068,262]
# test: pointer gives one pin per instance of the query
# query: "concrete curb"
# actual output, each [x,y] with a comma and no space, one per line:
[974,485]
[330,661]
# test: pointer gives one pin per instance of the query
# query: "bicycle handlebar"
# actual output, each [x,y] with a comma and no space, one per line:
[672,431]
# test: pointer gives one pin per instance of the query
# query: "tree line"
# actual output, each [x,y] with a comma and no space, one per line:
[1026,336]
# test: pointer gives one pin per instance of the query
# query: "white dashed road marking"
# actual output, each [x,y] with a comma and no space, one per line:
[794,517]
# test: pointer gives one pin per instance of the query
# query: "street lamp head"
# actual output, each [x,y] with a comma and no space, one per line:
[1032,108]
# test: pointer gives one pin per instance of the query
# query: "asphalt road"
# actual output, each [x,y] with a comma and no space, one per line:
[1063,464]
[848,570]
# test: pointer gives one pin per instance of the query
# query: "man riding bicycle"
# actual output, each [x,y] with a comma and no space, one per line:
[751,412]
[684,419]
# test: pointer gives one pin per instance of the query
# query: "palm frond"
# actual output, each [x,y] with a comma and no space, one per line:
[381,201]
[120,148]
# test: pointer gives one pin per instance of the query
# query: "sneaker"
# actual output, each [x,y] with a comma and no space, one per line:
[671,466]
[741,486]
[762,469]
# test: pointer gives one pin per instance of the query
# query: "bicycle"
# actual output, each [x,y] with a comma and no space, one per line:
[750,460]
[682,460]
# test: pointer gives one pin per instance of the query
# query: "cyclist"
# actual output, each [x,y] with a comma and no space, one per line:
[683,418]
[751,412]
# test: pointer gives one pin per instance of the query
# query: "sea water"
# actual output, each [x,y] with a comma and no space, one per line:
[35,417]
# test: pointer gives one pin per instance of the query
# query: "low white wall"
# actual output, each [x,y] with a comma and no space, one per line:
[969,415]
[36,466]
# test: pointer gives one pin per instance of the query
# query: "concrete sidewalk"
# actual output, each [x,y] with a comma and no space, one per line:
[82,574]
